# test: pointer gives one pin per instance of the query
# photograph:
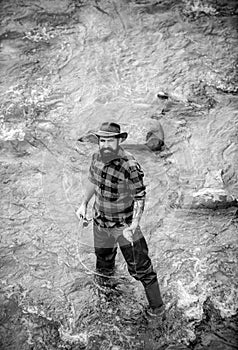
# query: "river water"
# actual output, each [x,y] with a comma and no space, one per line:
[66,66]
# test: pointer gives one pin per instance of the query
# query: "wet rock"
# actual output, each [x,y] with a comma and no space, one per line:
[80,339]
[155,137]
[15,147]
[210,332]
[88,137]
[154,143]
[213,195]
[162,95]
[177,347]
[10,35]
[45,125]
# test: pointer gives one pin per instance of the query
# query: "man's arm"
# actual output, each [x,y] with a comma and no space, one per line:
[137,214]
[139,205]
[89,192]
[137,190]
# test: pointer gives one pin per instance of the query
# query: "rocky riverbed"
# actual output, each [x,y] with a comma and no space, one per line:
[66,66]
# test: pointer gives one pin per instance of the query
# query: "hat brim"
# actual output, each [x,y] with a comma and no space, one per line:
[122,135]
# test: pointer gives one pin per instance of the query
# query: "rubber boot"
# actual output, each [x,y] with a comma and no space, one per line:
[153,295]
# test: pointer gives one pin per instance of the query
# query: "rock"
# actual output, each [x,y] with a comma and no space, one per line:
[88,137]
[214,179]
[163,95]
[213,195]
[155,136]
[154,142]
[213,199]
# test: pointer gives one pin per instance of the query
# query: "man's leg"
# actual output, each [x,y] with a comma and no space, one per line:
[140,267]
[105,250]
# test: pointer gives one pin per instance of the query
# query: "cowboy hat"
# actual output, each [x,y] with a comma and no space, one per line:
[111,129]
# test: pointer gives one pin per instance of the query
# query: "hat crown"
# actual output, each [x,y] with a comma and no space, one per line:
[110,127]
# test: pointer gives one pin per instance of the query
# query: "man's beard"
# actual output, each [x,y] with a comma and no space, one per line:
[108,154]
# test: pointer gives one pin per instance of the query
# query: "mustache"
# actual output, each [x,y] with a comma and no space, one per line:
[106,149]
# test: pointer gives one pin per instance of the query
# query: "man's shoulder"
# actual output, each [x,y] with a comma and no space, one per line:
[94,159]
[129,161]
[126,156]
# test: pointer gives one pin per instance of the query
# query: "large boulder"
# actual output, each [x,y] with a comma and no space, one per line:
[213,195]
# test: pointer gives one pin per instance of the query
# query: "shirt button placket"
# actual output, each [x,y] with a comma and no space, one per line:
[103,177]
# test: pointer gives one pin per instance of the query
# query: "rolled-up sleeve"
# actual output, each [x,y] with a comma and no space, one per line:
[135,181]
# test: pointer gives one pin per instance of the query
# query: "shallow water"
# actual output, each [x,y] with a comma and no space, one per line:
[65,68]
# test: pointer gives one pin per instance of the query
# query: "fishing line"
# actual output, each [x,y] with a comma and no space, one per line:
[80,244]
[133,254]
[93,272]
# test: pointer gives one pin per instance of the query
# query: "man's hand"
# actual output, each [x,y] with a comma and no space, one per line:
[129,231]
[82,211]
[89,192]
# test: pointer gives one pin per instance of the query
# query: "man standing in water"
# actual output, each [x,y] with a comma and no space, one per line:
[116,180]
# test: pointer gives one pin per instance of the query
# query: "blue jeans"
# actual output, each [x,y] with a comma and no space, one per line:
[136,256]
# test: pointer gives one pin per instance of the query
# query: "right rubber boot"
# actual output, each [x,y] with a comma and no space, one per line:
[153,295]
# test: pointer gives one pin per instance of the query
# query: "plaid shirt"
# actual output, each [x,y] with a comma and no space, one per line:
[118,184]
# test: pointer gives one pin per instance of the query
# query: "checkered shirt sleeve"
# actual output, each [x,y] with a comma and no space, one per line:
[135,177]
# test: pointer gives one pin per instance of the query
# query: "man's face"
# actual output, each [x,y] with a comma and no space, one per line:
[108,146]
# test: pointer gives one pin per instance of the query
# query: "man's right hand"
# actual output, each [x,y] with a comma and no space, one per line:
[82,211]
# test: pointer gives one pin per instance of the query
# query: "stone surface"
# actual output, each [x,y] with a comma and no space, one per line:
[213,195]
